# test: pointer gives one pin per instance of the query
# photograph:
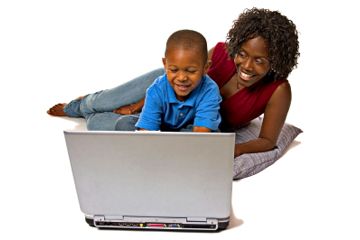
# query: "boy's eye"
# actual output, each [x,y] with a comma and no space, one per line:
[191,70]
[173,70]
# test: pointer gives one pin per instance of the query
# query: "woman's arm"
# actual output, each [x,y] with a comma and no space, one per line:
[274,119]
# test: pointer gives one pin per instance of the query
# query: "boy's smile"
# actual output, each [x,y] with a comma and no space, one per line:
[184,69]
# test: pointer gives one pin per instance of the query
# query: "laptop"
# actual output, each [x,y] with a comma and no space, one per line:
[153,180]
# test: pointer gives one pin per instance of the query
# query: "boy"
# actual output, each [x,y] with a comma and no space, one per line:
[184,98]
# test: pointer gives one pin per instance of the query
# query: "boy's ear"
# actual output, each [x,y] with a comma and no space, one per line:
[164,61]
[207,66]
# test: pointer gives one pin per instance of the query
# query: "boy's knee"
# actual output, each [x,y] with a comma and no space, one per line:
[126,123]
[101,121]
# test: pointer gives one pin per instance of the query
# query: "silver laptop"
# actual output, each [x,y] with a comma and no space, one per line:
[153,180]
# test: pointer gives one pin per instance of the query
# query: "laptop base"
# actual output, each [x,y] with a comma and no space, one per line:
[209,225]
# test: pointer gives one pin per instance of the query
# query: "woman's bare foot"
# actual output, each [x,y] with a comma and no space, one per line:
[130,109]
[57,110]
[125,110]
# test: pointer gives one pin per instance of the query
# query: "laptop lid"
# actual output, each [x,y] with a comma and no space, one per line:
[153,180]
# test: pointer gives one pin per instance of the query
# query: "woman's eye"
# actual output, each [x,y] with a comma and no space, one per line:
[261,61]
[242,54]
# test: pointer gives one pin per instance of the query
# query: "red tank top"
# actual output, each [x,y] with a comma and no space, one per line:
[248,103]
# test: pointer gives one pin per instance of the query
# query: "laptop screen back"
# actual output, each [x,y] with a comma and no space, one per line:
[152,174]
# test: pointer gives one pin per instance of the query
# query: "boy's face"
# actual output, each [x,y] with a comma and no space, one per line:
[184,69]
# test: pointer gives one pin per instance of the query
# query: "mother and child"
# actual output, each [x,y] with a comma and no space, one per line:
[223,89]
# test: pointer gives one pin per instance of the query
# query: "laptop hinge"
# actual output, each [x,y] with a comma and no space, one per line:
[101,218]
[196,219]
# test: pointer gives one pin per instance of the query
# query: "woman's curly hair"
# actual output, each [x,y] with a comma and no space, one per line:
[278,31]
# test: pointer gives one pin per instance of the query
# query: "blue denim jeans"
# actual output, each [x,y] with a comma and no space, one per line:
[97,107]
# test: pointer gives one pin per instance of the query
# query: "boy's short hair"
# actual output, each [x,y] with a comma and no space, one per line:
[188,39]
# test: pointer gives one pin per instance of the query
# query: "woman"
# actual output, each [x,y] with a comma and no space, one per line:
[263,50]
[250,69]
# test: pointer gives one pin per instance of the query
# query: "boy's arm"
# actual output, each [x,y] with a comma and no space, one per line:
[207,116]
[150,117]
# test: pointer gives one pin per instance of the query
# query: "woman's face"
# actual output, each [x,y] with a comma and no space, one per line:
[252,61]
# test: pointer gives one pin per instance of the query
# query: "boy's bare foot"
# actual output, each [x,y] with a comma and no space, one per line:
[57,110]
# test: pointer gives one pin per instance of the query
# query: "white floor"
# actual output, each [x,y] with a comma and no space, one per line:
[51,52]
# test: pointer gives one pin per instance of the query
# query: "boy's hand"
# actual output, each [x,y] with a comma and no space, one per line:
[201,129]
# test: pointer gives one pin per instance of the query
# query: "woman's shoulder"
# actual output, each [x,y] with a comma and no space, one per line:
[216,48]
[270,84]
[269,89]
[282,84]
[281,88]
[279,93]
[219,49]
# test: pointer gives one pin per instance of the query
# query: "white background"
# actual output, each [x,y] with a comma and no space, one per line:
[54,51]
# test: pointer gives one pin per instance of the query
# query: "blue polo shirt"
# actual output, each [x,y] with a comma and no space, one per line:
[163,111]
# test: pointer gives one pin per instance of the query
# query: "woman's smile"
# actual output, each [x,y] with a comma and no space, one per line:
[245,76]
